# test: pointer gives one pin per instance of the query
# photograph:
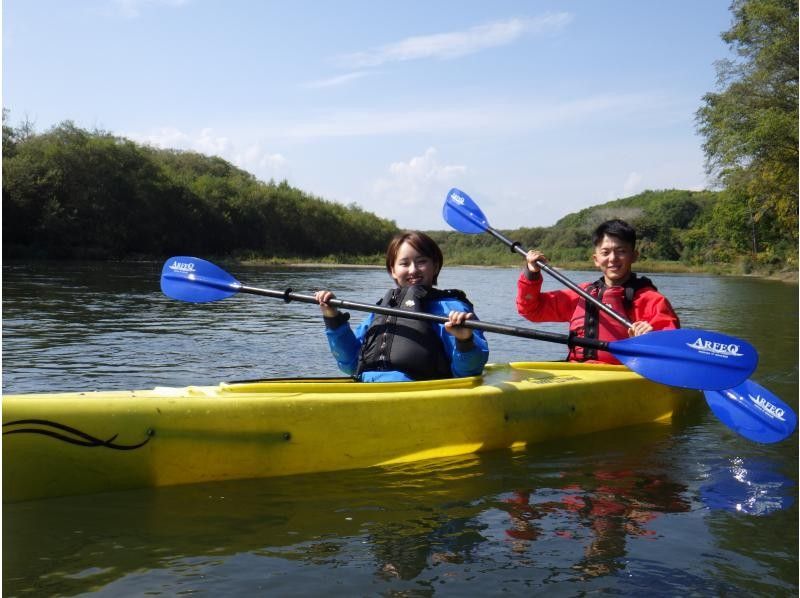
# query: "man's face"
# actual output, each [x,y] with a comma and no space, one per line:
[614,257]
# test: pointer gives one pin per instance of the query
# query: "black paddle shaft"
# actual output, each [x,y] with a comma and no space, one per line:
[288,295]
[515,246]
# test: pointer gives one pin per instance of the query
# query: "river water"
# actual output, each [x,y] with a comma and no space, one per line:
[648,509]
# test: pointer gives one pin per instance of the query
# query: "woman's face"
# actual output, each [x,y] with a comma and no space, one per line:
[411,267]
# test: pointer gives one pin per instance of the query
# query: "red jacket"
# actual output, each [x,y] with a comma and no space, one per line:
[567,306]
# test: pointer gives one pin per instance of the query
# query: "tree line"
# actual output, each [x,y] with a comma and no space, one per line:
[671,225]
[73,193]
[678,227]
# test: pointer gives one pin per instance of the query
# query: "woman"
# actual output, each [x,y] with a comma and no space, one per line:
[391,349]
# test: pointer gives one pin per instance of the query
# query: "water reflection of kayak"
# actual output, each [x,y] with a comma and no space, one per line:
[80,443]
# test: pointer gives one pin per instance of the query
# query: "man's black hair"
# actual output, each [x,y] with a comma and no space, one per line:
[615,228]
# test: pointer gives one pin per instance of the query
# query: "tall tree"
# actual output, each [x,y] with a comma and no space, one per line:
[751,124]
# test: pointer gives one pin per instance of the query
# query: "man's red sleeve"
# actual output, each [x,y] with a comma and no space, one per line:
[551,306]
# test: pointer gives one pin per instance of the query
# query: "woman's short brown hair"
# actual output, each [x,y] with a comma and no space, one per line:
[419,241]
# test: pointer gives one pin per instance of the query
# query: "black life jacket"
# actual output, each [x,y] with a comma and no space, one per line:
[620,300]
[402,344]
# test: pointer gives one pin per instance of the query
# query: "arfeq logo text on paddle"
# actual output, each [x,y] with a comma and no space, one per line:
[718,349]
[457,199]
[761,403]
[185,267]
[767,407]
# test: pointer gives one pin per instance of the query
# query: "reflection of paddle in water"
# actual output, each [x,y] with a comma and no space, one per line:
[611,506]
[747,486]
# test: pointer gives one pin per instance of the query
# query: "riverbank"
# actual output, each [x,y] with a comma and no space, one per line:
[787,275]
[651,266]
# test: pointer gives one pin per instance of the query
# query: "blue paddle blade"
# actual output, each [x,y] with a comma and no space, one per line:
[463,214]
[752,411]
[195,280]
[699,359]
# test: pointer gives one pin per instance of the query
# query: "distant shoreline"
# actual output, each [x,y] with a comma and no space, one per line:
[787,276]
[647,266]
[327,265]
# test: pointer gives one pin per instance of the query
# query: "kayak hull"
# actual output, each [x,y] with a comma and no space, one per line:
[81,443]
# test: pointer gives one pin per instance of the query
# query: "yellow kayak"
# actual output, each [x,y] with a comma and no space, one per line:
[81,443]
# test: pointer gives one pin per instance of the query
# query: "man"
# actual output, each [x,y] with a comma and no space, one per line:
[634,297]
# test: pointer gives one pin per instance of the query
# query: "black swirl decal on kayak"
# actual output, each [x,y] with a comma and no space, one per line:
[68,434]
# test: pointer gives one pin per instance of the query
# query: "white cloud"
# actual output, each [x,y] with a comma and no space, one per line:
[208,144]
[257,160]
[167,137]
[253,157]
[456,43]
[413,186]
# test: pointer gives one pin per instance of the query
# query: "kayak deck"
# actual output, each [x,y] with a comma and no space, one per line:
[80,443]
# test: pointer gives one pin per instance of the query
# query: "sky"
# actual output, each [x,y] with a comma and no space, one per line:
[536,109]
